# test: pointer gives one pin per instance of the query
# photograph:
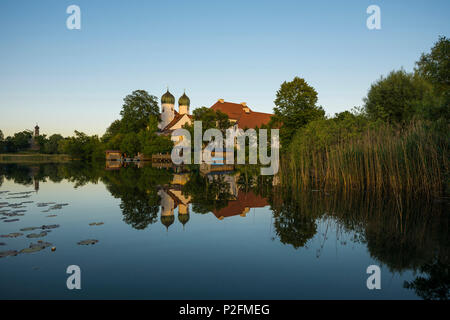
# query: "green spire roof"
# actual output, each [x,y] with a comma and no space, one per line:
[168,98]
[183,218]
[167,220]
[184,100]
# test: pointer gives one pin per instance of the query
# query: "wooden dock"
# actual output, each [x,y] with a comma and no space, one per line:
[208,168]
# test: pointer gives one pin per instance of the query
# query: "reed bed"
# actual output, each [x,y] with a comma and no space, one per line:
[382,159]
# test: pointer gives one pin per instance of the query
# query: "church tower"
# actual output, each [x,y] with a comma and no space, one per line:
[167,112]
[183,104]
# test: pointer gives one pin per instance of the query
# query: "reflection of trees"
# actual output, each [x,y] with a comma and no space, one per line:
[137,189]
[403,233]
[139,209]
[80,173]
[292,225]
[18,173]
[434,286]
[207,195]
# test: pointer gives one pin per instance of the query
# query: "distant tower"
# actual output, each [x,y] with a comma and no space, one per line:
[167,112]
[183,104]
[34,145]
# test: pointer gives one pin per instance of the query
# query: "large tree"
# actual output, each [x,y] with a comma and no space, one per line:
[397,97]
[136,111]
[296,105]
[435,68]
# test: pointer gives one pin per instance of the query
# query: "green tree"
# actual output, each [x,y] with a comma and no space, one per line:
[207,116]
[136,111]
[2,137]
[397,97]
[130,144]
[20,141]
[111,131]
[82,146]
[52,143]
[296,105]
[435,68]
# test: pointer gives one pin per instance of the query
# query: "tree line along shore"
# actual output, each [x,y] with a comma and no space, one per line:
[397,141]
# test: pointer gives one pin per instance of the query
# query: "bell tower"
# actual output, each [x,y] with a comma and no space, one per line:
[167,112]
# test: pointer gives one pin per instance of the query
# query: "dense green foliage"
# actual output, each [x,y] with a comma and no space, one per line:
[399,140]
[435,68]
[136,111]
[397,97]
[136,131]
[296,105]
[18,142]
[82,147]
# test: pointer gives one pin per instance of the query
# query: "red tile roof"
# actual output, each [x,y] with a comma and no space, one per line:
[235,111]
[253,120]
[244,200]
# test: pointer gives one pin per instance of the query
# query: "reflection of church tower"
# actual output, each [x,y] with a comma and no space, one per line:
[36,185]
[167,206]
[183,214]
[167,220]
[167,112]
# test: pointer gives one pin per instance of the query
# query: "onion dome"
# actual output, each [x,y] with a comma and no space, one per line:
[184,100]
[167,220]
[183,218]
[168,98]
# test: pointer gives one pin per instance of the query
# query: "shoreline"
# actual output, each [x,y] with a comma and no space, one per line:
[34,158]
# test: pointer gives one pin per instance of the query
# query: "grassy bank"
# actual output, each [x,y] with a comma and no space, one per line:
[33,158]
[384,158]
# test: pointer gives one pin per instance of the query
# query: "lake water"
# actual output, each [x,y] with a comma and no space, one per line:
[164,235]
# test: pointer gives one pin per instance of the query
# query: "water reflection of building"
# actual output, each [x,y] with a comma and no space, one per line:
[238,204]
[172,198]
[243,203]
[34,172]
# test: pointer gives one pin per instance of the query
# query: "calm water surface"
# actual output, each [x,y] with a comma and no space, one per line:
[190,236]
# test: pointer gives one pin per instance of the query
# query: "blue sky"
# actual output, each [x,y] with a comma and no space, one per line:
[67,80]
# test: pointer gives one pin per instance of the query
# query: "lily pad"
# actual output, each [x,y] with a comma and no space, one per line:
[51,226]
[11,235]
[96,223]
[29,228]
[87,242]
[35,247]
[11,220]
[8,253]
[37,235]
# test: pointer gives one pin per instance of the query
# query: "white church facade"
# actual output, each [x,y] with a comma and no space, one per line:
[172,119]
